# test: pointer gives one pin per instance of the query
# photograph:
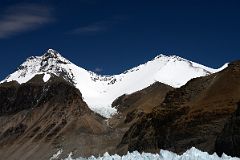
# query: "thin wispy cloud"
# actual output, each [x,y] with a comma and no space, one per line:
[98,27]
[91,28]
[98,69]
[24,17]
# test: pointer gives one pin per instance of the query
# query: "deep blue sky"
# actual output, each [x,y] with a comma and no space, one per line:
[115,35]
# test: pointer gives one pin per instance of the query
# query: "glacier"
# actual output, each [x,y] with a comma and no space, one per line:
[191,154]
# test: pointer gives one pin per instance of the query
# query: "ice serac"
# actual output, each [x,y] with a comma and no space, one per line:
[100,91]
[191,154]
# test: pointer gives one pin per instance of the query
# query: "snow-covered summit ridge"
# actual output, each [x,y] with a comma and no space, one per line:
[49,62]
[100,91]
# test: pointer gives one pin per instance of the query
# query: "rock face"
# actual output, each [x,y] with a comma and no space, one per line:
[38,119]
[133,106]
[193,115]
[229,140]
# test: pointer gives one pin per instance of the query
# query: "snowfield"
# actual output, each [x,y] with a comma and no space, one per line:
[191,154]
[100,91]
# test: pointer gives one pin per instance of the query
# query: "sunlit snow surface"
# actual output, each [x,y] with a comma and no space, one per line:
[55,156]
[100,91]
[46,77]
[191,154]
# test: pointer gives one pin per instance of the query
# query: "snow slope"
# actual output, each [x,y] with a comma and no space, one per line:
[100,91]
[191,154]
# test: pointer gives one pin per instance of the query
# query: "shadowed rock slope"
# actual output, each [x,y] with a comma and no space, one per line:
[37,119]
[193,115]
[229,139]
[133,106]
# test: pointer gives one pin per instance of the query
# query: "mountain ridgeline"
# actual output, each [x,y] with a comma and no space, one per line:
[50,104]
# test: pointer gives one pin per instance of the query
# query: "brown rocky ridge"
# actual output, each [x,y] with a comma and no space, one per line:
[193,115]
[38,119]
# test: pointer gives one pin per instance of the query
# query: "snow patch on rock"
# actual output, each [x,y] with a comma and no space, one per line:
[56,155]
[46,77]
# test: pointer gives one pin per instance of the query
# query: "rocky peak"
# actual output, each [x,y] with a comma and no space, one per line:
[51,54]
[170,57]
[54,56]
[50,62]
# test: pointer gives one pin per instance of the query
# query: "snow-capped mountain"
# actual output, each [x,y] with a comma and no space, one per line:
[100,91]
